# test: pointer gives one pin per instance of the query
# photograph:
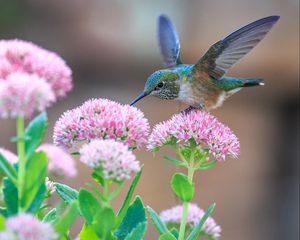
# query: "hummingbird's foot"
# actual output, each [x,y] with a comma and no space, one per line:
[191,108]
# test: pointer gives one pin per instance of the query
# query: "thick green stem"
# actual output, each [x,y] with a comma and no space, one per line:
[185,205]
[106,193]
[118,188]
[22,159]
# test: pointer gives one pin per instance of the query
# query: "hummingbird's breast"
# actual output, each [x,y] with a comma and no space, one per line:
[200,92]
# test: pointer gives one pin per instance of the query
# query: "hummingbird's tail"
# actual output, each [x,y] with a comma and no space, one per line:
[231,83]
[250,82]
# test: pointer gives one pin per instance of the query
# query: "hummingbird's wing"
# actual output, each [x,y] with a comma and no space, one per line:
[224,54]
[168,42]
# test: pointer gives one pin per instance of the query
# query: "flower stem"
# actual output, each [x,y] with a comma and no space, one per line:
[106,193]
[185,205]
[22,160]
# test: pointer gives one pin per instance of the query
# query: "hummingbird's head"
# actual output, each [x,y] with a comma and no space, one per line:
[163,84]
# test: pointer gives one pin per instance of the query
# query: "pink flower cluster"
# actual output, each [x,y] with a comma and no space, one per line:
[200,126]
[26,227]
[113,158]
[8,155]
[21,94]
[173,215]
[31,78]
[59,161]
[102,119]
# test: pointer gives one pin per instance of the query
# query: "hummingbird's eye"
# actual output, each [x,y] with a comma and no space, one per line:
[159,85]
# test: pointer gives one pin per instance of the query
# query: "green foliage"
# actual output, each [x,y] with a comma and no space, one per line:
[88,233]
[157,222]
[174,161]
[66,193]
[65,221]
[186,152]
[3,212]
[2,223]
[138,232]
[51,216]
[134,216]
[104,223]
[196,231]
[97,176]
[128,197]
[175,232]
[8,169]
[10,197]
[208,165]
[182,187]
[36,171]
[34,133]
[167,236]
[38,200]
[88,205]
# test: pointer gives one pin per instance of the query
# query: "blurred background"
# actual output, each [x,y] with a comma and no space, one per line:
[111,47]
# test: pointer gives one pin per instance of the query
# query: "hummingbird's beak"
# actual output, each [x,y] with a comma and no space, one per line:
[142,95]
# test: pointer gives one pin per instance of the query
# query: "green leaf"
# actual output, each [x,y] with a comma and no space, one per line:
[88,233]
[64,222]
[113,194]
[157,222]
[96,191]
[138,232]
[8,169]
[196,231]
[51,216]
[3,212]
[208,165]
[34,133]
[2,223]
[134,215]
[182,187]
[67,193]
[174,161]
[38,200]
[88,205]
[10,197]
[167,236]
[36,171]
[186,152]
[97,176]
[104,223]
[175,232]
[128,197]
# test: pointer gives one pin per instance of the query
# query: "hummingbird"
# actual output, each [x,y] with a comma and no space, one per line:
[203,85]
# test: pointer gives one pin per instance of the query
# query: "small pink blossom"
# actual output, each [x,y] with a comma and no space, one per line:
[174,215]
[50,185]
[9,156]
[113,158]
[199,126]
[102,119]
[59,161]
[22,94]
[26,227]
[26,57]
